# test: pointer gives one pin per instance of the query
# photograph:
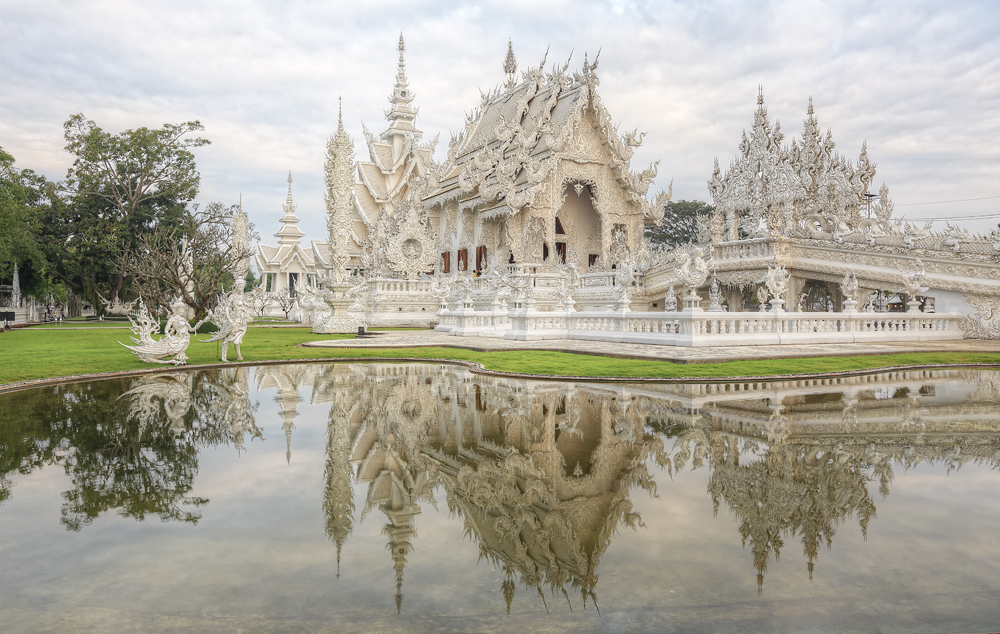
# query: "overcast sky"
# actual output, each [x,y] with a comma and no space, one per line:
[919,80]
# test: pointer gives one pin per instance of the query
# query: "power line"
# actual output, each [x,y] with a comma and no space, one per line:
[942,202]
[996,215]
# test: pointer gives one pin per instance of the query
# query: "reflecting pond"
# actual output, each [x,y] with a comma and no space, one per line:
[421,497]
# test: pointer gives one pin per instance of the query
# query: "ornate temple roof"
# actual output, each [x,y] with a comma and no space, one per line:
[396,155]
[782,186]
[512,143]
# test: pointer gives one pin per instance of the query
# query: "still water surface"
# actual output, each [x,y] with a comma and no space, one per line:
[331,498]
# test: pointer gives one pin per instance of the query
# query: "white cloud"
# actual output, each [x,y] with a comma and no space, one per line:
[920,81]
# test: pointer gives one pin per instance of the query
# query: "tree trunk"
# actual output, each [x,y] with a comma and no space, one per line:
[73,305]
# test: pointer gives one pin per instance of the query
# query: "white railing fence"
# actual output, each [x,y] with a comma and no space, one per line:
[699,328]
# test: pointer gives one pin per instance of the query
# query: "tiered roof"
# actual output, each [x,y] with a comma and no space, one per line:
[396,155]
[289,246]
[503,157]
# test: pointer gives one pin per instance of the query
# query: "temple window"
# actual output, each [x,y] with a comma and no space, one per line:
[561,251]
[463,259]
[545,252]
[592,259]
[446,262]
[480,258]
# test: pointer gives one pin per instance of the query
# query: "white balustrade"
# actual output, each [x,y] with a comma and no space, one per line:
[743,249]
[698,328]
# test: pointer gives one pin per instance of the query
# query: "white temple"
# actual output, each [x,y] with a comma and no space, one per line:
[533,227]
[290,264]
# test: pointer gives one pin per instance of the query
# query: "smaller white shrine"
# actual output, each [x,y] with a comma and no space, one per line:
[291,264]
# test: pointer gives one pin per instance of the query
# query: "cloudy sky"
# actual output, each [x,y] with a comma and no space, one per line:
[918,79]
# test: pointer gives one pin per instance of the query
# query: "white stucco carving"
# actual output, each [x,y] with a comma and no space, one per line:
[172,347]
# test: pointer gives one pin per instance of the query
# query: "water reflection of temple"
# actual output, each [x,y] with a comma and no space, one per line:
[795,458]
[539,472]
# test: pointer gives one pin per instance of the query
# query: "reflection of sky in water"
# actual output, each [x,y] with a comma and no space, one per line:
[259,559]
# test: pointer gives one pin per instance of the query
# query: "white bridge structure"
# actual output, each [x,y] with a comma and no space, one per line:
[534,228]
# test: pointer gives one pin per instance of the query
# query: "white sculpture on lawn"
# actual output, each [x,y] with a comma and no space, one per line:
[172,347]
[232,315]
[234,311]
[118,307]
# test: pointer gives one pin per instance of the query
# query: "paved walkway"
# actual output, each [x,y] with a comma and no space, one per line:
[676,354]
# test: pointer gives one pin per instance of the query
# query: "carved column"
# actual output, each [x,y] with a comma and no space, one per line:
[796,284]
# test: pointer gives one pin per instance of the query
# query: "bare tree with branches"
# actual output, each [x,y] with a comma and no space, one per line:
[262,299]
[195,260]
[285,300]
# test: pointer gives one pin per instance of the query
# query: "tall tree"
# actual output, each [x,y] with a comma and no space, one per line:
[129,184]
[17,222]
[680,222]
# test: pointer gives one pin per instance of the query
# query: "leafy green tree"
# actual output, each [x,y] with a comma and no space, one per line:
[121,187]
[17,222]
[680,222]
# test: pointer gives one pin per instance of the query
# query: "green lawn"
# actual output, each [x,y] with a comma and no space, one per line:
[32,353]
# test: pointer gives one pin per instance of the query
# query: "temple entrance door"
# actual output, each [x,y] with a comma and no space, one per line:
[577,229]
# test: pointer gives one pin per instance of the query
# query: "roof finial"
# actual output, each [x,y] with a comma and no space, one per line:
[340,113]
[510,62]
[810,111]
[289,187]
[760,94]
[402,47]
[400,91]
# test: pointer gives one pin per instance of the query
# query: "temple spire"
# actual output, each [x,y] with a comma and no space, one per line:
[241,241]
[290,233]
[401,65]
[510,65]
[400,113]
[340,201]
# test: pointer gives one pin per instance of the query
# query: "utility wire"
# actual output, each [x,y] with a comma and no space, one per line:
[996,215]
[941,202]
